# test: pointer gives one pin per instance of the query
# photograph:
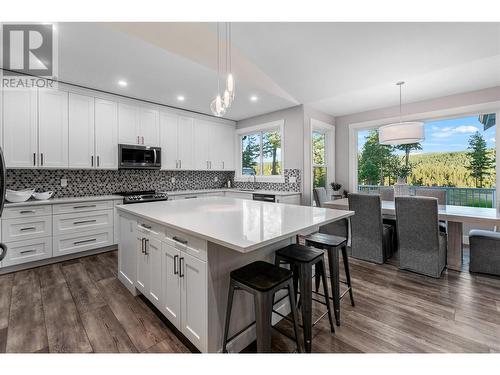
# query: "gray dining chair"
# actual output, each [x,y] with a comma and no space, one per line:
[387,193]
[337,228]
[371,239]
[440,195]
[422,246]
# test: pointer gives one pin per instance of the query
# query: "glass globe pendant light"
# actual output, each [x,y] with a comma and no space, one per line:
[222,103]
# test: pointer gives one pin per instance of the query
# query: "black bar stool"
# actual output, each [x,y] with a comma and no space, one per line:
[301,260]
[263,280]
[332,244]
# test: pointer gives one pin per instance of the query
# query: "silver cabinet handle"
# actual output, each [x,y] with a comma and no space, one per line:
[27,212]
[180,240]
[207,164]
[92,161]
[146,245]
[223,167]
[180,164]
[84,241]
[181,267]
[142,245]
[84,222]
[154,155]
[27,251]
[28,228]
[85,206]
[145,226]
[34,158]
[176,271]
[41,159]
[98,161]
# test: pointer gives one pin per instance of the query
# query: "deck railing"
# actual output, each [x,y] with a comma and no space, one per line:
[474,197]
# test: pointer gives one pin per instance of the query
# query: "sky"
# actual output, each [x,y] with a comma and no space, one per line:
[448,135]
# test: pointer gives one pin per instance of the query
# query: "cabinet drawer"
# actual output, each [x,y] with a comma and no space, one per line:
[27,251]
[189,244]
[74,243]
[26,228]
[78,221]
[82,206]
[151,230]
[26,211]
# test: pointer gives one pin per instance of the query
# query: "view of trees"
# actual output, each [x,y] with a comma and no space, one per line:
[380,164]
[319,168]
[270,144]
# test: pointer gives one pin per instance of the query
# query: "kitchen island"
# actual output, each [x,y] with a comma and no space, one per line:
[179,254]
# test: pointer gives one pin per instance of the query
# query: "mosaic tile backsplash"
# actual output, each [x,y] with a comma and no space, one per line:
[102,182]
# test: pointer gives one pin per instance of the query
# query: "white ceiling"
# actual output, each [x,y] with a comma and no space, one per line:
[338,68]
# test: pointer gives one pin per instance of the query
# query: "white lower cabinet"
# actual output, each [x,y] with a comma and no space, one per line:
[27,251]
[127,256]
[171,271]
[171,285]
[193,275]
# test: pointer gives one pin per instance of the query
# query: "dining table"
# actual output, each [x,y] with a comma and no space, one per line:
[455,216]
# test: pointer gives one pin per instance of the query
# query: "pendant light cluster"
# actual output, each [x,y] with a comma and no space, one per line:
[401,133]
[222,102]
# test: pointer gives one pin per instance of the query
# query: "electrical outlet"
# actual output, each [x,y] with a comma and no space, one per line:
[64,182]
[292,180]
[172,180]
[216,179]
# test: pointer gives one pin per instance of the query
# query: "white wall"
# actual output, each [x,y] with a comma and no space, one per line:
[423,107]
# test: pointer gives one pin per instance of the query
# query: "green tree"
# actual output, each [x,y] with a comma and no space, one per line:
[407,149]
[480,160]
[374,160]
[271,142]
[251,150]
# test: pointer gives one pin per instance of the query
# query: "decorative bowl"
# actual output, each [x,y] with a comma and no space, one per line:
[43,196]
[18,196]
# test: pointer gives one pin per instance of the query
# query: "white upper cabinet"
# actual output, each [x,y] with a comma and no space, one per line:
[81,131]
[169,141]
[213,146]
[20,139]
[53,128]
[149,132]
[185,144]
[128,124]
[106,134]
[201,145]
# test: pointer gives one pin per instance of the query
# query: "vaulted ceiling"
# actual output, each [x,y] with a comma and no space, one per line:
[337,68]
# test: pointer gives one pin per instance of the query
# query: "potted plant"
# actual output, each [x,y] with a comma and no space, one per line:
[336,188]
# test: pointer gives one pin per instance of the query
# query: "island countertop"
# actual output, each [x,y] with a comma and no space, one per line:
[241,225]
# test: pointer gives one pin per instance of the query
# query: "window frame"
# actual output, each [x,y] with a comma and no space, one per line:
[324,133]
[261,128]
[474,110]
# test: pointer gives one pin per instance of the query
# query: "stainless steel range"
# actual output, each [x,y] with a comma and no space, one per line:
[142,196]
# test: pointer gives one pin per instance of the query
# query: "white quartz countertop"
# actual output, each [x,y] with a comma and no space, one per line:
[90,198]
[241,225]
[234,190]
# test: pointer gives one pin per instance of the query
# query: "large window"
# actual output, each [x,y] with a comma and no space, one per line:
[261,153]
[319,159]
[458,155]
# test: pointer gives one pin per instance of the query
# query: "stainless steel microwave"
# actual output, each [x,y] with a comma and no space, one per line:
[139,157]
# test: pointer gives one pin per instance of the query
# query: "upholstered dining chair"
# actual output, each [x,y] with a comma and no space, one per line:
[422,246]
[371,239]
[337,228]
[440,195]
[387,193]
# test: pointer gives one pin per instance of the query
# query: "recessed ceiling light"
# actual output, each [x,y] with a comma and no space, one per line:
[181,98]
[122,83]
[254,98]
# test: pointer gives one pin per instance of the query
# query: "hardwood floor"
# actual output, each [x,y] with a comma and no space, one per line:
[80,306]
